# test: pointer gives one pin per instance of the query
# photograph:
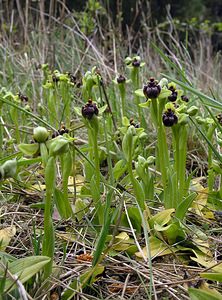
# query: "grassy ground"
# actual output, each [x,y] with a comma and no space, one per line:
[109,204]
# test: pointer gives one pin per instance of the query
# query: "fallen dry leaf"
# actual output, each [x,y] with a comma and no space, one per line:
[118,287]
[84,257]
[5,236]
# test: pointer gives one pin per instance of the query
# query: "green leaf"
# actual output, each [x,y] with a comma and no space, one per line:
[58,146]
[29,149]
[24,269]
[162,218]
[212,276]
[80,208]
[119,169]
[88,278]
[50,174]
[206,261]
[28,161]
[62,204]
[174,232]
[127,143]
[200,294]
[184,205]
[94,189]
[157,248]
[122,242]
[135,219]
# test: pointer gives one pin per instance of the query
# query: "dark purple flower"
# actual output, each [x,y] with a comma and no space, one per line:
[169,118]
[121,79]
[152,89]
[89,110]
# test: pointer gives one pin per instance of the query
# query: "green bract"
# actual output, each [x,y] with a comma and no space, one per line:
[192,111]
[58,146]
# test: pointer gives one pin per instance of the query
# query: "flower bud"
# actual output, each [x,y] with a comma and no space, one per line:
[150,160]
[200,120]
[163,82]
[40,134]
[183,119]
[192,111]
[169,118]
[152,89]
[182,108]
[89,110]
[172,88]
[2,173]
[185,98]
[9,168]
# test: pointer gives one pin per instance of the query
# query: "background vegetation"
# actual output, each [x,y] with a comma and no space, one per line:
[110,181]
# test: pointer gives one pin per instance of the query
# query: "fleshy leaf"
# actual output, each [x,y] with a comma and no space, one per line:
[206,261]
[212,276]
[157,248]
[24,269]
[162,218]
[200,294]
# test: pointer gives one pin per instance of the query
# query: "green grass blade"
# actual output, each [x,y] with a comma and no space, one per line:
[218,156]
[27,112]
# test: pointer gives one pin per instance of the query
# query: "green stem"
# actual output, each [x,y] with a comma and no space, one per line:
[14,114]
[162,148]
[180,152]
[210,179]
[52,107]
[66,101]
[48,246]
[137,188]
[1,134]
[96,157]
[122,91]
[136,85]
[163,156]
[67,164]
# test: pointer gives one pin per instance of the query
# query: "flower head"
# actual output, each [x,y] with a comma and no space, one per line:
[89,110]
[173,96]
[169,118]
[152,89]
[121,79]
